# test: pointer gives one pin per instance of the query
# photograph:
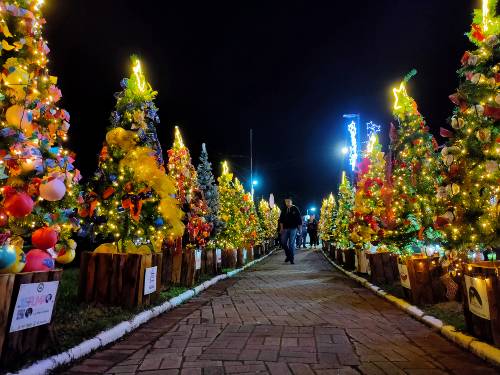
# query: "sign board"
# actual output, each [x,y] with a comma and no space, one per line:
[197,258]
[403,276]
[150,280]
[244,255]
[356,262]
[343,257]
[477,296]
[369,269]
[34,305]
[218,255]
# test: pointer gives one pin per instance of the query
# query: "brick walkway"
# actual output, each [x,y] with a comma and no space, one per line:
[283,319]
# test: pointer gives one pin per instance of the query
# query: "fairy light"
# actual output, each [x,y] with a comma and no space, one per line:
[139,76]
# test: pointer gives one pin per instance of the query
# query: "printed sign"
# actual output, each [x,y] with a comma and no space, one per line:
[369,269]
[477,296]
[197,258]
[403,276]
[244,255]
[218,255]
[343,257]
[34,305]
[356,262]
[150,280]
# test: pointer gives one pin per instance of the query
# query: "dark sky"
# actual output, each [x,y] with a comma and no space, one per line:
[289,70]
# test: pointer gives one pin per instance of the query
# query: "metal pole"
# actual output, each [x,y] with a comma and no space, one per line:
[251,162]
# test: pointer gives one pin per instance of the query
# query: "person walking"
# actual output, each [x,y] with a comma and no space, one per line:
[304,231]
[290,221]
[312,230]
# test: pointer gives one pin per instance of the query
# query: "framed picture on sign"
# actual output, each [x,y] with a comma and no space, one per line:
[218,255]
[477,296]
[197,258]
[403,275]
[150,280]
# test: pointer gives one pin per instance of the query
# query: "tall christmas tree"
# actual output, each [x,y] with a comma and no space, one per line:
[250,230]
[269,217]
[129,198]
[188,193]
[471,189]
[230,211]
[37,178]
[345,202]
[208,186]
[366,223]
[327,217]
[415,176]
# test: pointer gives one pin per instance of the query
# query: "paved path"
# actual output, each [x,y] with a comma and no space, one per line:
[277,318]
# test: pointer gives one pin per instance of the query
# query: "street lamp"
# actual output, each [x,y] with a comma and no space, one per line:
[345,150]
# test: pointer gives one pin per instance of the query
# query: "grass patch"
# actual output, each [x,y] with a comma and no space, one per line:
[226,270]
[449,312]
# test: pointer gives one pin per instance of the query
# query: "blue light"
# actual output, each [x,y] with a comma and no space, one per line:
[255,182]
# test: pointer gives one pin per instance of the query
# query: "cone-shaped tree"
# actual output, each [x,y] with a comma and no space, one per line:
[129,198]
[208,186]
[269,219]
[188,193]
[345,203]
[251,229]
[37,179]
[327,218]
[366,224]
[230,211]
[470,191]
[415,176]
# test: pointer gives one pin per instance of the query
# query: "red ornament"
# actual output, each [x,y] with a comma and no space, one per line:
[445,133]
[4,218]
[18,204]
[493,112]
[477,33]
[44,238]
[38,260]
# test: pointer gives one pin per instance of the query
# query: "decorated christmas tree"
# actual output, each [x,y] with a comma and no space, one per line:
[471,188]
[39,185]
[251,228]
[231,212]
[366,224]
[415,176]
[129,203]
[345,202]
[269,217]
[208,186]
[327,218]
[188,193]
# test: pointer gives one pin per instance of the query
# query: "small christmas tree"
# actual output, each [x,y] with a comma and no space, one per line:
[208,186]
[345,202]
[470,191]
[188,193]
[231,212]
[129,198]
[366,224]
[37,178]
[415,176]
[327,218]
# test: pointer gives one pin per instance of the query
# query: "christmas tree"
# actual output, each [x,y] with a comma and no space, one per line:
[188,193]
[345,202]
[251,229]
[269,217]
[208,186]
[415,176]
[327,218]
[471,188]
[129,198]
[39,185]
[366,224]
[231,212]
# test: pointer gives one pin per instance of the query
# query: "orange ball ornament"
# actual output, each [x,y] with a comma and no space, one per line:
[44,238]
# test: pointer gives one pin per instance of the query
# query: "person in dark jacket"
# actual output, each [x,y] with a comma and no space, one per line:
[312,230]
[290,221]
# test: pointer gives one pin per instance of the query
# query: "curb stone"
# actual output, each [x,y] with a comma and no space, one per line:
[115,333]
[479,348]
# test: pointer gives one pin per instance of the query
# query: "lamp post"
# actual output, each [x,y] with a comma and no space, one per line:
[353,128]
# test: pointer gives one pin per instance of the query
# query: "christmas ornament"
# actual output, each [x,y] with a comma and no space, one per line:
[52,189]
[18,205]
[7,256]
[38,260]
[44,238]
[66,253]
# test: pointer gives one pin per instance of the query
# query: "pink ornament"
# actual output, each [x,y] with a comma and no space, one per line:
[52,190]
[38,260]
[18,204]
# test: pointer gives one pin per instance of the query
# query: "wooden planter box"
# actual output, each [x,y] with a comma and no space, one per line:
[14,346]
[208,262]
[481,292]
[361,261]
[172,264]
[118,279]
[339,257]
[191,268]
[229,258]
[331,250]
[349,259]
[420,279]
[257,251]
[242,257]
[383,268]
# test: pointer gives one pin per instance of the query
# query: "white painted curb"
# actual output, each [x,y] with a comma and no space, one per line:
[477,347]
[113,334]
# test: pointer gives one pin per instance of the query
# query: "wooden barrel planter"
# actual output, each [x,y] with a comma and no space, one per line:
[481,292]
[19,337]
[229,258]
[339,256]
[120,279]
[420,278]
[331,250]
[208,262]
[349,259]
[257,251]
[191,267]
[242,257]
[361,261]
[172,264]
[383,268]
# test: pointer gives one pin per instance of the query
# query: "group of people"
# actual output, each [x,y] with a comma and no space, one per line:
[293,230]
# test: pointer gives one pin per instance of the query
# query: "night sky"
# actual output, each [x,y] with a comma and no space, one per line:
[289,70]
